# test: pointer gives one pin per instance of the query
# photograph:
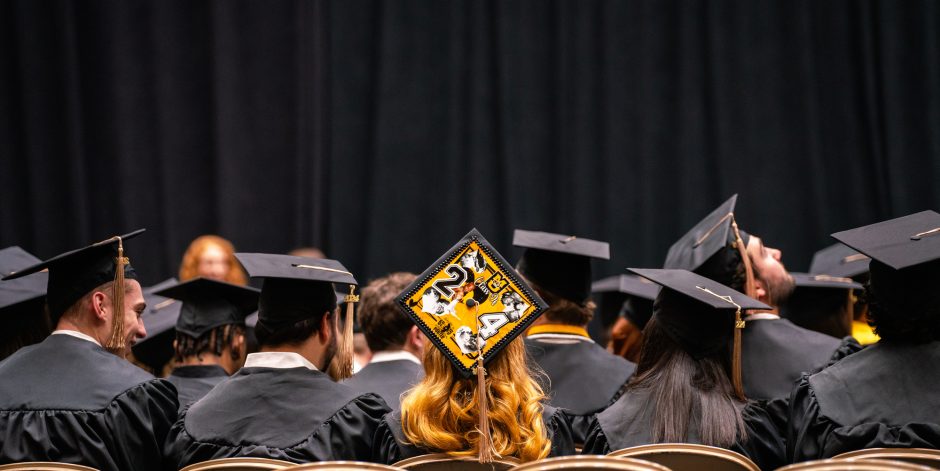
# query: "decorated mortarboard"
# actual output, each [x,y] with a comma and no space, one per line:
[470,292]
[297,288]
[21,290]
[839,260]
[14,258]
[208,304]
[635,300]
[807,280]
[159,318]
[899,243]
[559,263]
[718,236]
[701,315]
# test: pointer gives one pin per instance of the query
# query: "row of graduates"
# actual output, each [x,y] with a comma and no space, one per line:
[707,352]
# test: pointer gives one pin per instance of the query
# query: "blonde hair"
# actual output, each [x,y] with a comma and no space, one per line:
[189,269]
[441,412]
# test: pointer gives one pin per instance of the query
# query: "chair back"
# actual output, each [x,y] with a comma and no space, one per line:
[342,466]
[445,462]
[689,457]
[921,456]
[857,465]
[44,466]
[591,463]
[239,464]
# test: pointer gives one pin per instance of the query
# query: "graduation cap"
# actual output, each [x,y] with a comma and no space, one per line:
[839,260]
[899,243]
[299,288]
[634,300]
[808,280]
[208,304]
[714,247]
[470,303]
[701,315]
[819,302]
[73,274]
[14,258]
[159,318]
[559,263]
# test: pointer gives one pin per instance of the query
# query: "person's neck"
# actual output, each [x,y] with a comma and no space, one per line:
[201,359]
[83,326]
[312,352]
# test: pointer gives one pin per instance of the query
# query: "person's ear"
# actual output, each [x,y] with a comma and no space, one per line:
[238,342]
[416,338]
[759,290]
[100,304]
[326,328]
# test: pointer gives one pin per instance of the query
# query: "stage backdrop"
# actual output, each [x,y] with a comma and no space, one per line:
[383,131]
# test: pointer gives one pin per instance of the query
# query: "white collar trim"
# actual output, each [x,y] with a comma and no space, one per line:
[761,316]
[381,357]
[76,334]
[278,360]
[554,336]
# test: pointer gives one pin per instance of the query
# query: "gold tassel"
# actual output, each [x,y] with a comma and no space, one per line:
[117,341]
[485,445]
[751,290]
[342,365]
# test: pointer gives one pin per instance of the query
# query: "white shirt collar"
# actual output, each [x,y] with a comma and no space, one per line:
[380,357]
[760,316]
[278,360]
[76,334]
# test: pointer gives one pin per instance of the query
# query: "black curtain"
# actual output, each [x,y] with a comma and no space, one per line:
[383,131]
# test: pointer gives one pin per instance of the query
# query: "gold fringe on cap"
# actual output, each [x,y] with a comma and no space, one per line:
[751,290]
[736,354]
[117,342]
[485,445]
[342,365]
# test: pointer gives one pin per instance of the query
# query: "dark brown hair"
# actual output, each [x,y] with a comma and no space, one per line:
[564,311]
[213,341]
[904,305]
[384,325]
[685,391]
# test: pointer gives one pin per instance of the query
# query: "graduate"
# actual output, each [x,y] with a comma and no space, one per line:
[478,396]
[822,303]
[22,303]
[210,334]
[840,261]
[776,352]
[688,388]
[73,397]
[283,404]
[630,299]
[885,395]
[583,378]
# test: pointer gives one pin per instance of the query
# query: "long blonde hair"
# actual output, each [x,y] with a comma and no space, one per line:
[441,413]
[189,269]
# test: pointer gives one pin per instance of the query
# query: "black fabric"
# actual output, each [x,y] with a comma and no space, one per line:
[69,400]
[883,396]
[391,445]
[332,123]
[388,379]
[581,378]
[292,414]
[627,423]
[195,381]
[775,353]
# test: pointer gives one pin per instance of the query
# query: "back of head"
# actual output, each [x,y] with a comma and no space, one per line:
[828,311]
[212,342]
[904,305]
[290,311]
[562,310]
[385,326]
[440,413]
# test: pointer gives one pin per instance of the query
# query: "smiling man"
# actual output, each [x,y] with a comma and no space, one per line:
[73,398]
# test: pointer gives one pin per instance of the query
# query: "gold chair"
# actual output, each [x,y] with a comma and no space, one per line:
[44,466]
[239,464]
[689,457]
[341,466]
[445,462]
[591,463]
[921,456]
[858,465]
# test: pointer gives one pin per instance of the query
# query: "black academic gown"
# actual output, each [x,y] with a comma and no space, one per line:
[290,414]
[388,379]
[70,400]
[883,396]
[194,381]
[627,423]
[584,379]
[775,353]
[391,445]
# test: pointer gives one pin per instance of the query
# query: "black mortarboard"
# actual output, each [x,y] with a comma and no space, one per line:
[806,280]
[636,302]
[559,263]
[899,243]
[839,260]
[73,274]
[159,318]
[294,281]
[14,258]
[208,304]
[710,247]
[701,315]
